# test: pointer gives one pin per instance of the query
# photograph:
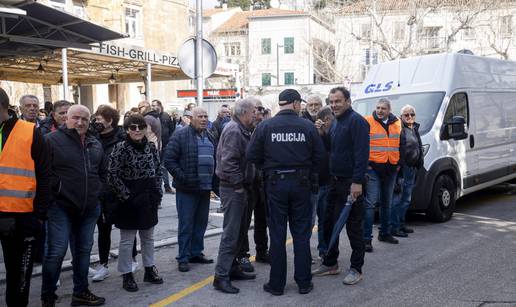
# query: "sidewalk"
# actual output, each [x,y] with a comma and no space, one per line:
[165,233]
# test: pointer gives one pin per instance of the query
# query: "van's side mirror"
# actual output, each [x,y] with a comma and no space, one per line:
[454,129]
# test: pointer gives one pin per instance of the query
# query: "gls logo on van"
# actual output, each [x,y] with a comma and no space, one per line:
[377,87]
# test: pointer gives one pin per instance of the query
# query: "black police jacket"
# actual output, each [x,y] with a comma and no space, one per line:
[286,141]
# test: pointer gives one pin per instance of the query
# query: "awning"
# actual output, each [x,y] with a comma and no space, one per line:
[31,28]
[97,66]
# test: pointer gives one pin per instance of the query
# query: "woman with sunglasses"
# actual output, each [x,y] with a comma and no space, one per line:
[134,173]
[411,159]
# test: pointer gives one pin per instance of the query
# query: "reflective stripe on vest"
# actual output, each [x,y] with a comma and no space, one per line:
[17,170]
[384,147]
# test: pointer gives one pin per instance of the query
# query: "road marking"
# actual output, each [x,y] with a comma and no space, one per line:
[197,286]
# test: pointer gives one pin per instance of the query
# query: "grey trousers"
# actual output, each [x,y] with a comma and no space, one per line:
[234,205]
[125,249]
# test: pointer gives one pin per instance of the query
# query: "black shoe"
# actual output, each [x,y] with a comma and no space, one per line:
[151,275]
[399,233]
[183,267]
[49,301]
[128,282]
[238,274]
[306,290]
[262,257]
[388,239]
[86,298]
[267,288]
[368,246]
[224,285]
[245,264]
[407,230]
[200,259]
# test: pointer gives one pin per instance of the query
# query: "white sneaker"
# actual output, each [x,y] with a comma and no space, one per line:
[135,266]
[91,272]
[102,274]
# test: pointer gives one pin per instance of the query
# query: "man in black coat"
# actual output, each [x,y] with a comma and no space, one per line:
[77,166]
[190,158]
[168,125]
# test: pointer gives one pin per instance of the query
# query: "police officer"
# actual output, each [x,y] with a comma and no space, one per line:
[288,149]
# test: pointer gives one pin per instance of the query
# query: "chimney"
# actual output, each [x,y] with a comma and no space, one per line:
[225,6]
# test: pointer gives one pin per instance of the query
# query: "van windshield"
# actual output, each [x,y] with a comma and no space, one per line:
[426,104]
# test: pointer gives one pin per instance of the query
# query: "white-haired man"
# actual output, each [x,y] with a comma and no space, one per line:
[77,166]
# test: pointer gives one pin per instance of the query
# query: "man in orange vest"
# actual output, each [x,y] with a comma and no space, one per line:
[24,190]
[384,156]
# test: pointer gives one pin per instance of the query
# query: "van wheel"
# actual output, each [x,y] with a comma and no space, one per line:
[442,202]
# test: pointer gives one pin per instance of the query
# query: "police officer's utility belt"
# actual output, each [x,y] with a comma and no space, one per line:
[287,173]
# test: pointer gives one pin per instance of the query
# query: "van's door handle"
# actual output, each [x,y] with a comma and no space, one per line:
[471,141]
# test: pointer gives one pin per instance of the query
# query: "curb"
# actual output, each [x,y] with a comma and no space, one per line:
[67,264]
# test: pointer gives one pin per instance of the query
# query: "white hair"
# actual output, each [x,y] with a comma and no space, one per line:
[407,107]
[314,98]
[244,105]
[79,107]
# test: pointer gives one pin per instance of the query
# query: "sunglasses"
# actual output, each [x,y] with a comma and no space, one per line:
[137,127]
[410,114]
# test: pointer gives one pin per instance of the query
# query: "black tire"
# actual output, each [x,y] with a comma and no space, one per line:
[442,202]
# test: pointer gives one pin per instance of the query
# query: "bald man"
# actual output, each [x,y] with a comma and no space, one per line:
[190,158]
[77,166]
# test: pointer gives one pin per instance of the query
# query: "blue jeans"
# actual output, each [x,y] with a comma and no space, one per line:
[192,211]
[320,200]
[63,229]
[401,201]
[379,192]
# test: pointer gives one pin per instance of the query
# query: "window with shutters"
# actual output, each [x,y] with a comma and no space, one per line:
[288,45]
[289,78]
[266,46]
[266,79]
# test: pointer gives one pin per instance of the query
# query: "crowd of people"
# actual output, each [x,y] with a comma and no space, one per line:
[65,171]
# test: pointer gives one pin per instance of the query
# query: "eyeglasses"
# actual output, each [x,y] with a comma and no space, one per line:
[137,127]
[410,114]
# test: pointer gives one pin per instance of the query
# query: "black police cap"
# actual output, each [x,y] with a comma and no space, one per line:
[288,96]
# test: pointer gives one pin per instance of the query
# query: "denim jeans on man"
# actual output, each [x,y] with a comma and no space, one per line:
[320,200]
[192,211]
[379,192]
[401,201]
[64,228]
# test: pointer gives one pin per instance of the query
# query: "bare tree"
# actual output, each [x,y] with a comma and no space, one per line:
[464,13]
[324,61]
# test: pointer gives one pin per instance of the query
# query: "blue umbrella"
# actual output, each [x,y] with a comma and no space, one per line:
[339,224]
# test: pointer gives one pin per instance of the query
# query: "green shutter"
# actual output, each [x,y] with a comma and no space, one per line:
[288,44]
[266,79]
[289,78]
[266,46]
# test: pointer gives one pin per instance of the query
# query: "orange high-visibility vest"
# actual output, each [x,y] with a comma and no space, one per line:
[384,147]
[17,172]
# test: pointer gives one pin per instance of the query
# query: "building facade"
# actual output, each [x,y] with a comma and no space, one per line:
[160,25]
[370,32]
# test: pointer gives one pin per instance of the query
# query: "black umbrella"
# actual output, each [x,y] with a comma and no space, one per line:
[341,221]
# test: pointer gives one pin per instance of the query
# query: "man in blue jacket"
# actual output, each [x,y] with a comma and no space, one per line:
[190,158]
[349,139]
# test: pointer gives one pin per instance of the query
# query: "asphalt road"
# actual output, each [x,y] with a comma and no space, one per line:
[468,261]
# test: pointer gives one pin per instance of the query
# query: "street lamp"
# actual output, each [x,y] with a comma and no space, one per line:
[278,46]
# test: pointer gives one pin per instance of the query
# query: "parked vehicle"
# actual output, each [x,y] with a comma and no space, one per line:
[466,106]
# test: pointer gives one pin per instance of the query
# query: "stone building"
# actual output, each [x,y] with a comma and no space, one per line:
[160,25]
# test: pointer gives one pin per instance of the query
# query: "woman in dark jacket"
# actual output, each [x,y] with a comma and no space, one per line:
[134,173]
[411,159]
[109,134]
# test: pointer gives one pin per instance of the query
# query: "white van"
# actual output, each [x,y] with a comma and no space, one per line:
[466,106]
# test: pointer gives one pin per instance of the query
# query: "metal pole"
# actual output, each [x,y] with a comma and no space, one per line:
[198,52]
[277,64]
[64,62]
[148,92]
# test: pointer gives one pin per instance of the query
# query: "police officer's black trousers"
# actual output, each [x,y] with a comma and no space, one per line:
[337,197]
[18,252]
[288,200]
[256,204]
